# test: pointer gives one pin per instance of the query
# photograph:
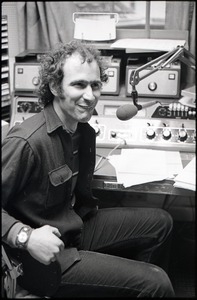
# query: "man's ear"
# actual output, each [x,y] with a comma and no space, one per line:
[53,88]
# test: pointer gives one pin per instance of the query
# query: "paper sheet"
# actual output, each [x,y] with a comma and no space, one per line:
[188,101]
[95,30]
[187,177]
[148,44]
[137,166]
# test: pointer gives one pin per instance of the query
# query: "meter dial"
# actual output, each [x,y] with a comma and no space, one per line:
[25,106]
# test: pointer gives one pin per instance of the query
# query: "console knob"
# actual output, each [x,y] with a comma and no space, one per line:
[150,133]
[36,81]
[166,133]
[113,134]
[152,86]
[182,135]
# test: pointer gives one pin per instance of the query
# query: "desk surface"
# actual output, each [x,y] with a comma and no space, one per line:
[105,179]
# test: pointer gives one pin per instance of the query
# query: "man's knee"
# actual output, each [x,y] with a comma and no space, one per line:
[165,222]
[168,219]
[158,283]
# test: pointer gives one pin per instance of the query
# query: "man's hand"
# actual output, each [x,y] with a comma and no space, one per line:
[45,244]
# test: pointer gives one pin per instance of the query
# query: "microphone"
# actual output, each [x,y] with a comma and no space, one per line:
[128,111]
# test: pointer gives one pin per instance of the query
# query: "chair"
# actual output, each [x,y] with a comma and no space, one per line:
[11,270]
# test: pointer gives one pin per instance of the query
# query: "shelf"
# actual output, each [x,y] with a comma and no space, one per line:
[5,76]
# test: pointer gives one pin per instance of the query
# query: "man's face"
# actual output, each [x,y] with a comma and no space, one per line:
[81,88]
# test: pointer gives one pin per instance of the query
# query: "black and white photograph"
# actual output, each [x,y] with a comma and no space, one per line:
[98,149]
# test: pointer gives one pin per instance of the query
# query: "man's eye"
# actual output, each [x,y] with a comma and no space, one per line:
[80,85]
[96,85]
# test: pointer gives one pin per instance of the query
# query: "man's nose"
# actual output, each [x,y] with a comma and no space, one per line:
[88,93]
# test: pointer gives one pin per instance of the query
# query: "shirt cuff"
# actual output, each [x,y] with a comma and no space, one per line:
[10,237]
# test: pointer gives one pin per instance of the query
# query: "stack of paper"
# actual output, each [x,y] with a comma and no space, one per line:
[149,44]
[137,166]
[186,179]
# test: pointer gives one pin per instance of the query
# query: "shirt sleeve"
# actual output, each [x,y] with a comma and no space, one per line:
[17,164]
[10,237]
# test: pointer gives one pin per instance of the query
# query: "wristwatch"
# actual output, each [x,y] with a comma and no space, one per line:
[23,237]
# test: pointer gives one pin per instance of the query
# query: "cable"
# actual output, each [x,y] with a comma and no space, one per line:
[103,159]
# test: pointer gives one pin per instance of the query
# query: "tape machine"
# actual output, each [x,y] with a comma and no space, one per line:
[165,83]
[26,76]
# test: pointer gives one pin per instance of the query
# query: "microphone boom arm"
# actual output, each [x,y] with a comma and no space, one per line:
[158,64]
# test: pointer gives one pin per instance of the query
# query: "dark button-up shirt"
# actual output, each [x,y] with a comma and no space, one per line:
[37,174]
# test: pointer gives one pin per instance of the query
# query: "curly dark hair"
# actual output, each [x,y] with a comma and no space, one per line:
[52,66]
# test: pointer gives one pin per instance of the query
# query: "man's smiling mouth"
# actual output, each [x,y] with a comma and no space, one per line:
[86,107]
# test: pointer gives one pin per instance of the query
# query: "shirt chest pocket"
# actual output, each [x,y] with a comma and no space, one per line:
[59,185]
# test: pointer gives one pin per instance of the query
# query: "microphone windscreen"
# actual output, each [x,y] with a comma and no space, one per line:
[126,112]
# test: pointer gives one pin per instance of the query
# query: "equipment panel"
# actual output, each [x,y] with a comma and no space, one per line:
[23,108]
[165,134]
[26,77]
[164,83]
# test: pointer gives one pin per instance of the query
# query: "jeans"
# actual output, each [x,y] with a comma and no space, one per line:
[124,252]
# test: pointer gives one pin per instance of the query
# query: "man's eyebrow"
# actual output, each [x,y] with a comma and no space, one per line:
[78,81]
[85,82]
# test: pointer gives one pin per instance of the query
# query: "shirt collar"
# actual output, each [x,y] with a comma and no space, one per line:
[52,120]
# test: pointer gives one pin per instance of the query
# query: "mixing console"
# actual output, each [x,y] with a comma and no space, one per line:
[165,134]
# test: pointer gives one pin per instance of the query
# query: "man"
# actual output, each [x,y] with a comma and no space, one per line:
[51,221]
